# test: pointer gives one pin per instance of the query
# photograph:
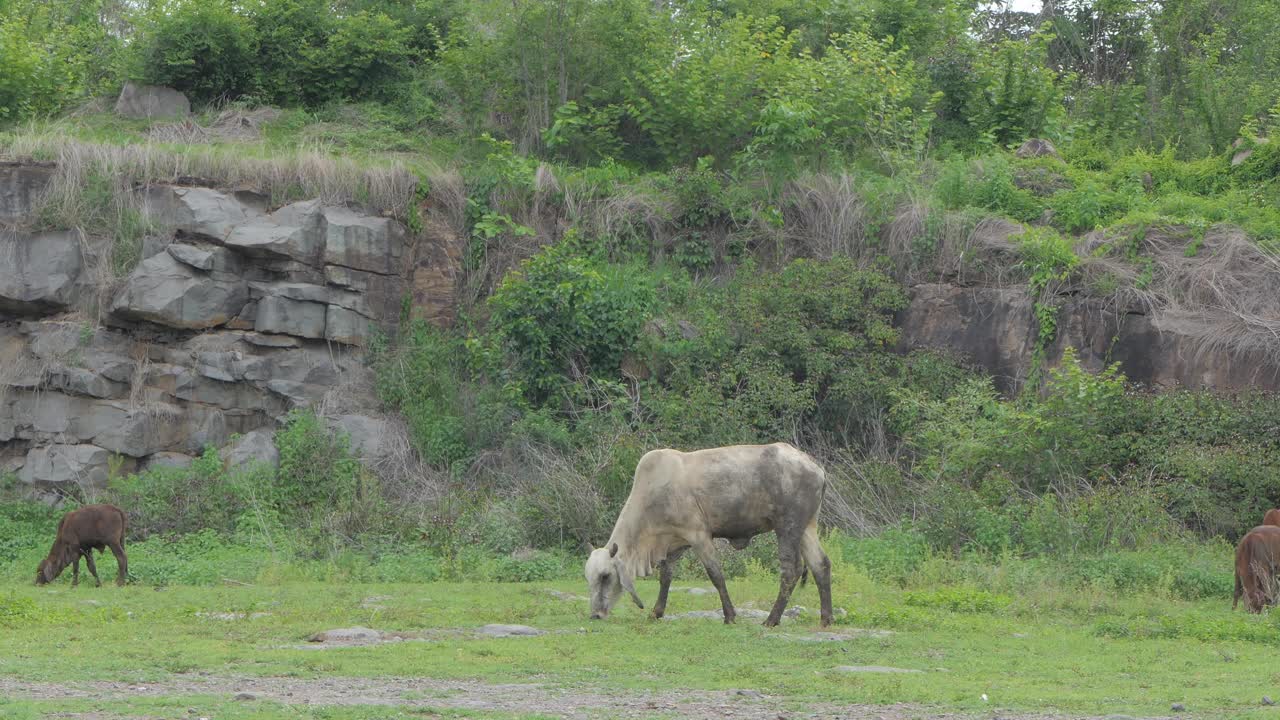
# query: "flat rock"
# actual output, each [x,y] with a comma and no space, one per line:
[38,272]
[167,292]
[742,613]
[509,631]
[277,314]
[254,447]
[167,460]
[204,212]
[67,466]
[362,242]
[871,669]
[844,636]
[197,258]
[1037,147]
[347,636]
[151,102]
[365,434]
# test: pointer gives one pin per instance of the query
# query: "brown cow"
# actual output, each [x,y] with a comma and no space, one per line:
[1272,517]
[1257,568]
[92,527]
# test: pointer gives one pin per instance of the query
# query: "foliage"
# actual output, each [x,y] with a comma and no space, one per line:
[1017,96]
[564,312]
[203,49]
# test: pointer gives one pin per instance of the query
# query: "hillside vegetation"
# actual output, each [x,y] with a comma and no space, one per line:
[690,224]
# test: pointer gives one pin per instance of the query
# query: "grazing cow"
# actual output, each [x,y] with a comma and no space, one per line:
[92,527]
[1257,568]
[1272,517]
[684,500]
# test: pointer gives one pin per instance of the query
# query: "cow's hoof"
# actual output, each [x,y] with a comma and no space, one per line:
[656,615]
[770,622]
[729,619]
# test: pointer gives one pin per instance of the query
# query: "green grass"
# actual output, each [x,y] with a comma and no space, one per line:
[1070,651]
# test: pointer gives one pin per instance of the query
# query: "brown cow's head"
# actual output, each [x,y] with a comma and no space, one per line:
[47,572]
[607,577]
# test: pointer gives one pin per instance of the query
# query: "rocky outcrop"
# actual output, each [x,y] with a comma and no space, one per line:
[38,272]
[238,313]
[151,101]
[996,328]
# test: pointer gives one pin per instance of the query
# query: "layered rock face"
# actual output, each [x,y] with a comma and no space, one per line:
[997,329]
[237,314]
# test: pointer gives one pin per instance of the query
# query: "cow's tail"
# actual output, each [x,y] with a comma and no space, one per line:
[1239,591]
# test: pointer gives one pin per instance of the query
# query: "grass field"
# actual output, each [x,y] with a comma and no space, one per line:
[186,651]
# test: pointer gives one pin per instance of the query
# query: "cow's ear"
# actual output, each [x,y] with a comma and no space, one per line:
[613,550]
[591,547]
[628,584]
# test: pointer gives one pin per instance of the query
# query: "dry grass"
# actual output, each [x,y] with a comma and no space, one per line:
[1225,295]
[826,216]
[284,178]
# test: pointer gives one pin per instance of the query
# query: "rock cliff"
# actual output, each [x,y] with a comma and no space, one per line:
[236,314]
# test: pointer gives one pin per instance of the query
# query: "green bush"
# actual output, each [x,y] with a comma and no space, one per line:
[565,313]
[202,48]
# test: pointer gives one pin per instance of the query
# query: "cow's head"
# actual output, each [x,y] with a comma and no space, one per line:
[47,572]
[607,577]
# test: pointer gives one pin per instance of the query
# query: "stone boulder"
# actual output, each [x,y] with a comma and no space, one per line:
[292,232]
[38,272]
[367,436]
[362,242]
[167,292]
[20,186]
[1037,147]
[65,466]
[151,102]
[254,448]
[198,211]
[279,314]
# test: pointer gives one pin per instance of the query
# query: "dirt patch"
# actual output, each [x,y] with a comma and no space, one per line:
[479,696]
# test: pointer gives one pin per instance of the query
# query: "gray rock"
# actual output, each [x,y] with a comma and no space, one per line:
[20,186]
[256,447]
[871,669]
[509,631]
[362,242]
[151,102]
[1241,156]
[367,435]
[1178,707]
[293,231]
[346,327]
[1037,147]
[272,341]
[794,611]
[291,317]
[167,460]
[197,211]
[347,636]
[166,292]
[755,694]
[244,697]
[38,272]
[67,466]
[197,258]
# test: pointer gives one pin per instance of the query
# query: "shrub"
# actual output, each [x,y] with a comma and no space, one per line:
[564,313]
[202,48]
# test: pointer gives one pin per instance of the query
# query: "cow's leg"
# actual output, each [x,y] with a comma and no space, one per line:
[789,560]
[75,571]
[88,561]
[820,565]
[122,562]
[706,552]
[664,582]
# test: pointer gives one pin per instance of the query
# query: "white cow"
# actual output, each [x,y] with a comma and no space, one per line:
[684,500]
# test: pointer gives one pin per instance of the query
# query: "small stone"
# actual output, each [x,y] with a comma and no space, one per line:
[1266,700]
[749,693]
[347,635]
[1178,707]
[510,631]
[244,697]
